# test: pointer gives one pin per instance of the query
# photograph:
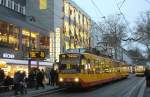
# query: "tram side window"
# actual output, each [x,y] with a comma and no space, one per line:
[62,67]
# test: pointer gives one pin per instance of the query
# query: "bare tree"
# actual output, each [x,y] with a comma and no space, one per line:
[143,30]
[137,57]
[114,32]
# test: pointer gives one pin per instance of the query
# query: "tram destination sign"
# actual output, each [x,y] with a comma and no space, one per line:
[66,56]
[37,55]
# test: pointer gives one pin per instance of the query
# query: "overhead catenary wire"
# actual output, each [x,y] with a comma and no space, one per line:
[127,24]
[121,13]
[99,13]
[122,4]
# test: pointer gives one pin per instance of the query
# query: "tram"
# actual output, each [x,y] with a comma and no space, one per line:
[84,69]
[139,70]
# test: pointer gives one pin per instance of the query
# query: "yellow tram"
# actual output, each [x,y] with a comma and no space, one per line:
[86,69]
[139,70]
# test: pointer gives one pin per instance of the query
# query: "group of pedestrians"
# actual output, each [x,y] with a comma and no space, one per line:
[53,77]
[20,82]
[35,79]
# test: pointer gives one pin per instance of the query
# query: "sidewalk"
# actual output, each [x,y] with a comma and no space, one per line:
[147,92]
[29,92]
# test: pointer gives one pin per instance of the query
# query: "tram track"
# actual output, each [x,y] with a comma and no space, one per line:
[53,91]
[115,89]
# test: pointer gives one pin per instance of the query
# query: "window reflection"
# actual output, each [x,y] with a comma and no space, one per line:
[9,34]
[26,34]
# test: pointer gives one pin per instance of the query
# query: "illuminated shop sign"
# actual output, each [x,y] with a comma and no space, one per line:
[37,55]
[7,55]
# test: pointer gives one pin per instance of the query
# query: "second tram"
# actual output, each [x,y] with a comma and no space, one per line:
[139,70]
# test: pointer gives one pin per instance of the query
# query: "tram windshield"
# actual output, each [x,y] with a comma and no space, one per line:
[70,63]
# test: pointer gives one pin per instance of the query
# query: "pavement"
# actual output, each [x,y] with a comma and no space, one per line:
[30,92]
[147,92]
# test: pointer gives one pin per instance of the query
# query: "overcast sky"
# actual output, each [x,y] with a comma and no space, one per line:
[131,8]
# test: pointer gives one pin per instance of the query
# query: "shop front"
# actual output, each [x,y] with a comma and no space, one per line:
[12,65]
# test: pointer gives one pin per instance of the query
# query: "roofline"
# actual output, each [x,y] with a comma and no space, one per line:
[79,8]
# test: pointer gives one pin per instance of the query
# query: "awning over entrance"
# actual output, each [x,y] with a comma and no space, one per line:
[25,62]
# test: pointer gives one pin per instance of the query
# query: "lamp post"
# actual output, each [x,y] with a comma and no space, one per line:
[31,19]
[29,50]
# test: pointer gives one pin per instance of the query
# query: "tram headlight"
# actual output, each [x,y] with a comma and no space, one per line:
[76,79]
[61,79]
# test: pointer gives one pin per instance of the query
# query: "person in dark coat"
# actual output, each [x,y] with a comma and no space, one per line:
[8,81]
[2,76]
[56,77]
[49,77]
[32,79]
[52,74]
[18,79]
[147,75]
[39,79]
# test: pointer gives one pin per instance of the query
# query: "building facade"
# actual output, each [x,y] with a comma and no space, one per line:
[68,25]
[18,37]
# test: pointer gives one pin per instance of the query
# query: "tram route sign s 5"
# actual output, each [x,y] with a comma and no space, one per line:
[34,55]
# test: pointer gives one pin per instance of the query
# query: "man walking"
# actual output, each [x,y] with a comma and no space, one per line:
[147,75]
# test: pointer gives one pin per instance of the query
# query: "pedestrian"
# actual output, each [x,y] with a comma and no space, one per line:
[2,76]
[147,75]
[24,82]
[39,79]
[52,73]
[49,77]
[44,75]
[56,77]
[17,83]
[8,82]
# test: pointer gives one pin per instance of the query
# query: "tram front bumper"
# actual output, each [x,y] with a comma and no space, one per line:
[69,82]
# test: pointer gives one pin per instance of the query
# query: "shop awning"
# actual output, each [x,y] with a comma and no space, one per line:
[25,62]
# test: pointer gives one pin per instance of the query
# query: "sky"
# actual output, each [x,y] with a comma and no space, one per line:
[131,8]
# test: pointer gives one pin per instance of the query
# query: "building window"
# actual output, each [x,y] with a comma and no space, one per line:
[10,4]
[3,2]
[9,35]
[26,38]
[16,7]
[66,9]
[43,4]
[21,9]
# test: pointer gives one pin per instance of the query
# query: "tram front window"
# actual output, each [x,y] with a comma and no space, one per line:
[69,63]
[70,68]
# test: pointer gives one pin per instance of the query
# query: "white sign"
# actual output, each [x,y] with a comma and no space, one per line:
[6,55]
